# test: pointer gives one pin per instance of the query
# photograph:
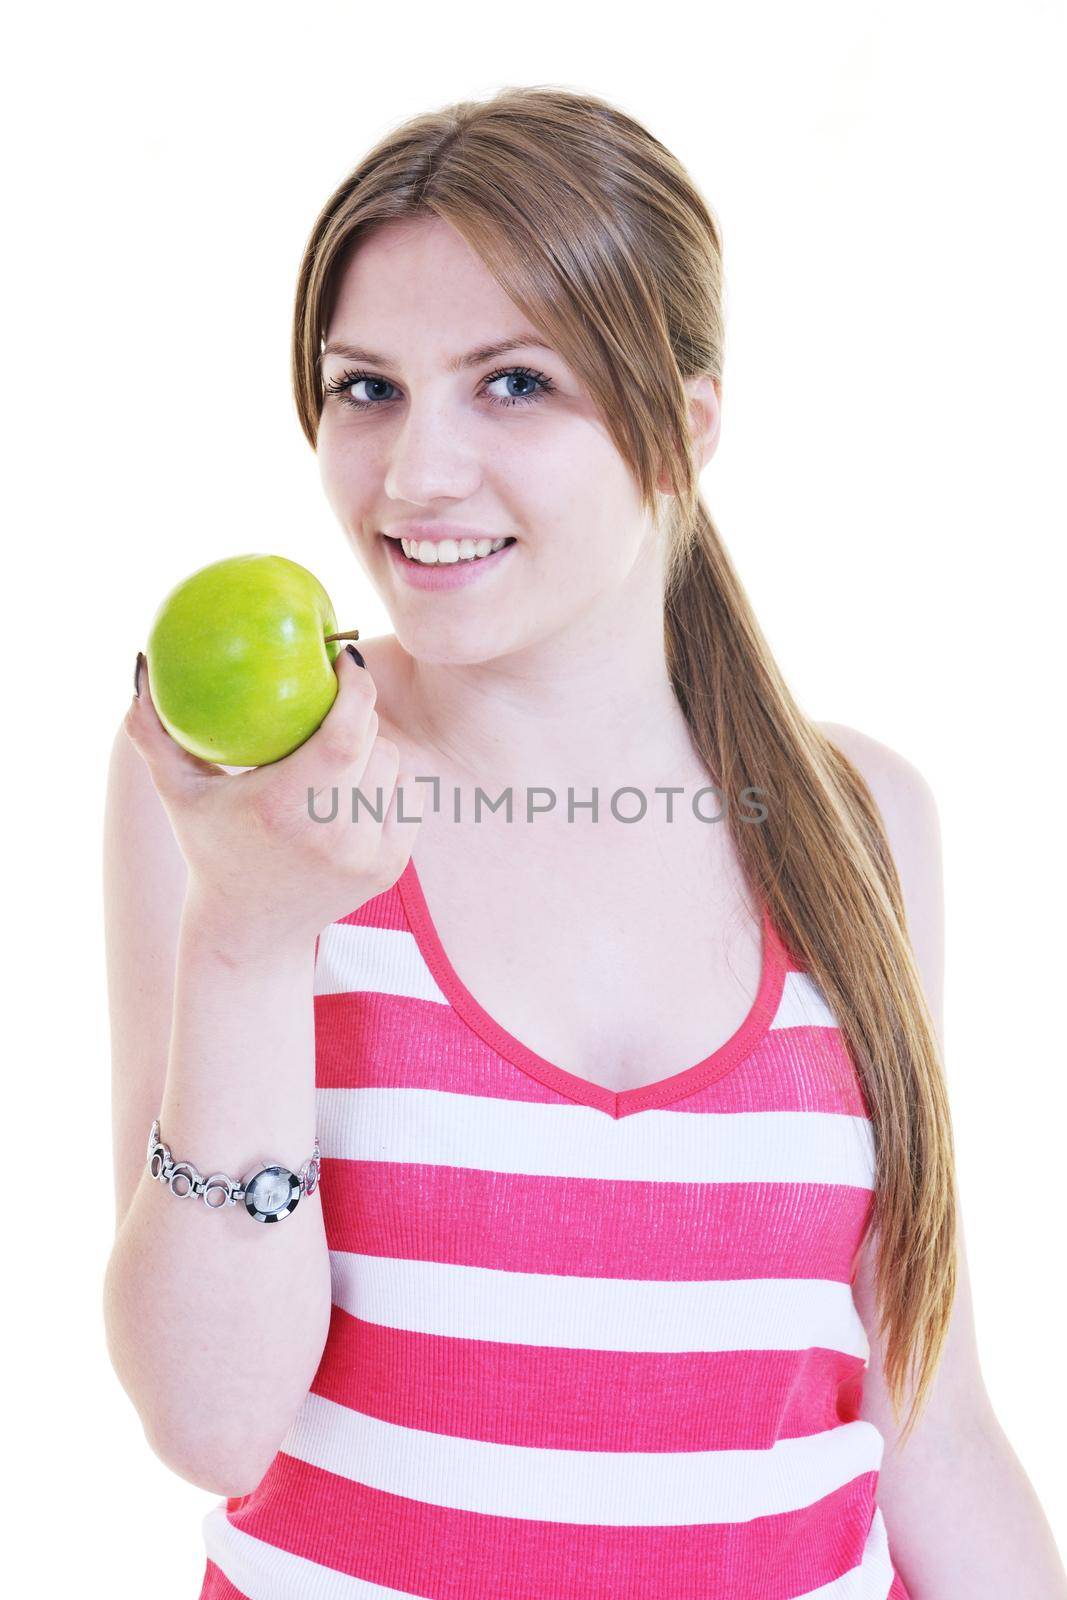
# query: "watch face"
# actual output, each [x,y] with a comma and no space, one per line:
[272,1194]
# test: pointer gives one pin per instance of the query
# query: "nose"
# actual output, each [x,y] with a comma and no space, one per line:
[432,458]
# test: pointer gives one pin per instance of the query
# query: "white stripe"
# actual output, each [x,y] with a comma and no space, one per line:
[266,1572]
[352,959]
[605,1488]
[491,1134]
[388,960]
[578,1313]
[803,1004]
[467,1131]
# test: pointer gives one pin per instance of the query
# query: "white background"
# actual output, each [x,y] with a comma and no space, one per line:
[889,481]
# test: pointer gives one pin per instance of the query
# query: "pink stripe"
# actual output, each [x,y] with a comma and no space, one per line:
[648,1231]
[370,1040]
[384,911]
[418,1548]
[520,1394]
[387,910]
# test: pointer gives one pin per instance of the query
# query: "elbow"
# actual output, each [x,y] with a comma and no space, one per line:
[228,1478]
[207,1462]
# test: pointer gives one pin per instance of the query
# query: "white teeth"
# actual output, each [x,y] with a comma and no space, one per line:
[448,550]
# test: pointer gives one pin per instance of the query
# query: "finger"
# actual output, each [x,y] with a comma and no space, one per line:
[168,761]
[343,737]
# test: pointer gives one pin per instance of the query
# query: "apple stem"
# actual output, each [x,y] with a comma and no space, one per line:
[353,635]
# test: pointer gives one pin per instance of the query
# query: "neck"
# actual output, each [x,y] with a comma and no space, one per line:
[589,705]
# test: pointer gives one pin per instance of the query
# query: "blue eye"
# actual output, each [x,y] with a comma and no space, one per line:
[340,387]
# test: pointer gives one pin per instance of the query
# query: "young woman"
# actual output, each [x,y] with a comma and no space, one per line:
[618,1026]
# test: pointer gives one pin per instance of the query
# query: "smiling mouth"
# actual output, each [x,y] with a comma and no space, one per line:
[459,560]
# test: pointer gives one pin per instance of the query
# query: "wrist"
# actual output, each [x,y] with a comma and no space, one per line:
[269,1190]
[235,933]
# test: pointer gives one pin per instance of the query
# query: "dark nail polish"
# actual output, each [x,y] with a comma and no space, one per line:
[354,652]
[137,675]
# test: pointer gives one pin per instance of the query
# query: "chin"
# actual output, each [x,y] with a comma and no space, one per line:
[433,647]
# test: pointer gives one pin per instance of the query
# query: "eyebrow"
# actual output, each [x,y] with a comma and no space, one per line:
[473,358]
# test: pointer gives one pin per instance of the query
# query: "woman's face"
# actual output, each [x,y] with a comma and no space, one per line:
[498,452]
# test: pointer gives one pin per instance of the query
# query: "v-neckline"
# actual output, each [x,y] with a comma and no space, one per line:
[616,1103]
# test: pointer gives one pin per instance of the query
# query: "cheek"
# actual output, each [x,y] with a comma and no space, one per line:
[342,472]
[601,533]
[326,457]
[589,486]
[582,565]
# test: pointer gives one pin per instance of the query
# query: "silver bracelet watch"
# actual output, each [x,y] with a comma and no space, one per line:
[269,1191]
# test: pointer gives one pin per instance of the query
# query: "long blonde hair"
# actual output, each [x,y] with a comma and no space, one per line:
[596,232]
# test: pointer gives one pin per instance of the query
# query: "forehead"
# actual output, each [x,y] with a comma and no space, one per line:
[416,285]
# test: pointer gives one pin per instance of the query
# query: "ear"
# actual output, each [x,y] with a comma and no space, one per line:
[705,416]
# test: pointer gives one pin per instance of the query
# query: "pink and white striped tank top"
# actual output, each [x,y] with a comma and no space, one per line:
[583,1343]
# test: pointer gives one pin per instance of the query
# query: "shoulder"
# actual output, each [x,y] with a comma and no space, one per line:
[909,814]
[899,789]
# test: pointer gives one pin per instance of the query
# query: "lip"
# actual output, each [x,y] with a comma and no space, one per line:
[452,575]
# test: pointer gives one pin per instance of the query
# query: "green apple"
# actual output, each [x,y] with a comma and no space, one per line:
[240,659]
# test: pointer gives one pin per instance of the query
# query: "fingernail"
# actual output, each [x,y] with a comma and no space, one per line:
[137,675]
[354,652]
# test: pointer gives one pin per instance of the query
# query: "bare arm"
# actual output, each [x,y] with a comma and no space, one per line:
[963,1519]
[215,1323]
